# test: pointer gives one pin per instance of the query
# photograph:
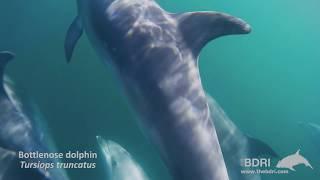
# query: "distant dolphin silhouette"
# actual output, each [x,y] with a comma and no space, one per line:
[120,164]
[293,160]
[20,131]
[155,55]
[313,130]
[235,144]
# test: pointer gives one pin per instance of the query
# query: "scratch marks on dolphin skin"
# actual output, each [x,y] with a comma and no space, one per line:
[183,108]
[6,158]
[141,23]
[14,114]
[9,88]
[10,116]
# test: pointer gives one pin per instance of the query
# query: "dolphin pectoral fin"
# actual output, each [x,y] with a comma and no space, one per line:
[292,169]
[199,28]
[260,148]
[5,57]
[74,33]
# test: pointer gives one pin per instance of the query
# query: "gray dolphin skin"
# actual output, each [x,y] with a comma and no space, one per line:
[6,157]
[20,132]
[155,55]
[235,144]
[120,164]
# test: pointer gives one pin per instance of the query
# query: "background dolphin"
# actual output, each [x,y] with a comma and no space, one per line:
[120,164]
[155,55]
[235,144]
[314,132]
[20,132]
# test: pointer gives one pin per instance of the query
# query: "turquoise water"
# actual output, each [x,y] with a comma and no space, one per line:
[266,81]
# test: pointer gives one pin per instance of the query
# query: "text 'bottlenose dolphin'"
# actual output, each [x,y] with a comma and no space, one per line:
[155,55]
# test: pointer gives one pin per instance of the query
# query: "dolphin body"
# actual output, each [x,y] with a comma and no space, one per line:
[6,157]
[20,132]
[293,160]
[235,144]
[155,55]
[314,131]
[120,164]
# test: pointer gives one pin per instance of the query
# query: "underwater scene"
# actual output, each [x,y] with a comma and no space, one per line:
[121,83]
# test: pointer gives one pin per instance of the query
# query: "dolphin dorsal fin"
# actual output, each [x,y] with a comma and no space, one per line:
[298,152]
[199,28]
[5,57]
[74,33]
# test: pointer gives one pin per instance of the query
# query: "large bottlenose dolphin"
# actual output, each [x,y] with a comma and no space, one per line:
[20,131]
[235,144]
[120,164]
[155,55]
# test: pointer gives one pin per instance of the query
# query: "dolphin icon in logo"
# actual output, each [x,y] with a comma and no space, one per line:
[293,160]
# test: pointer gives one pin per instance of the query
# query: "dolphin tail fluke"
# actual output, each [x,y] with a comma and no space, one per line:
[201,27]
[5,57]
[74,33]
[260,148]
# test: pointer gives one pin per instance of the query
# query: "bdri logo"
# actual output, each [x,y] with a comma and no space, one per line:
[255,162]
[263,165]
[293,160]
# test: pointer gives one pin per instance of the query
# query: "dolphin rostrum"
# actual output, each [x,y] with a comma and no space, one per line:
[235,144]
[293,160]
[155,55]
[120,164]
[20,131]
